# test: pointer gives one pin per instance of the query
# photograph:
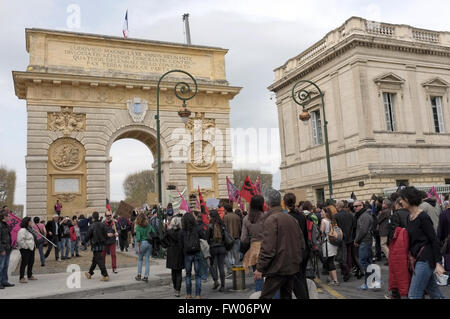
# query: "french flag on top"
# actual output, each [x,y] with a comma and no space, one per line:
[125,26]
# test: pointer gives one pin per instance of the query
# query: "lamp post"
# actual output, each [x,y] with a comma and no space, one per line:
[185,89]
[303,98]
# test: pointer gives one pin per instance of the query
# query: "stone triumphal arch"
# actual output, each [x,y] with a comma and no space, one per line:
[85,91]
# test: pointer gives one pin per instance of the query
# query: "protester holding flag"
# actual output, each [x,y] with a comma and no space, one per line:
[5,249]
[40,230]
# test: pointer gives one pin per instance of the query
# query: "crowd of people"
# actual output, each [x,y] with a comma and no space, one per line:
[280,241]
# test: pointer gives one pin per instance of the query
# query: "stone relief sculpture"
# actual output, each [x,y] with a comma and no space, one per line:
[66,121]
[66,156]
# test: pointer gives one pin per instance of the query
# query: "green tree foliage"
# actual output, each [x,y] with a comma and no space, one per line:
[239,178]
[136,186]
[7,187]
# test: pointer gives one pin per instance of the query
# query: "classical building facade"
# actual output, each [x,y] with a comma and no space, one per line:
[386,92]
[84,92]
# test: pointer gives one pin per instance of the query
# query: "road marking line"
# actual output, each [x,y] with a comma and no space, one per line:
[331,291]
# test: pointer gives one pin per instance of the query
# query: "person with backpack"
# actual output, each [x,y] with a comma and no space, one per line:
[424,248]
[97,235]
[300,284]
[110,244]
[216,240]
[328,249]
[364,239]
[124,229]
[65,238]
[157,226]
[252,232]
[175,256]
[143,245]
[190,236]
[233,224]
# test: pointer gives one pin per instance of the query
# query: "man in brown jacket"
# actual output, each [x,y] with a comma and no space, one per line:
[280,256]
[234,226]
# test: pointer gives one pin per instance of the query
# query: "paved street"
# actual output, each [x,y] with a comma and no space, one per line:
[346,290]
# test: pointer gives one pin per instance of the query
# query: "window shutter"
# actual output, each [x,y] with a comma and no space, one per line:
[314,128]
[386,111]
[440,115]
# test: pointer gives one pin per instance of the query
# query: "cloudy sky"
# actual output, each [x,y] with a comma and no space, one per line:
[260,35]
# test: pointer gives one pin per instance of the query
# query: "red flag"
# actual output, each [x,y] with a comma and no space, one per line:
[108,207]
[204,210]
[248,190]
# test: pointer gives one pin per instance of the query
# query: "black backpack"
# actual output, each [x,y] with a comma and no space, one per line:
[191,242]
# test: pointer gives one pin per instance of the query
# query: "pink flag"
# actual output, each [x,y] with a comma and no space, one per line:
[184,205]
[14,226]
[258,185]
[233,191]
[433,192]
[197,204]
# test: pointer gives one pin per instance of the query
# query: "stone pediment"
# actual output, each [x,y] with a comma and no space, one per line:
[436,83]
[389,78]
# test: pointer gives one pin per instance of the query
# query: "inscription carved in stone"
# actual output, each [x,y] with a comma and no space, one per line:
[66,121]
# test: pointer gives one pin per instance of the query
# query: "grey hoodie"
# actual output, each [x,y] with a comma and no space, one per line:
[433,210]
[364,228]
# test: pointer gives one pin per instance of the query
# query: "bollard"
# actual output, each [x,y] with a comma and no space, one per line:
[238,278]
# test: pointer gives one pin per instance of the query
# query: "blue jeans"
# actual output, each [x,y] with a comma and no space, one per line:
[145,251]
[74,246]
[40,247]
[423,280]
[365,258]
[188,260]
[4,264]
[65,243]
[234,254]
[83,237]
[259,283]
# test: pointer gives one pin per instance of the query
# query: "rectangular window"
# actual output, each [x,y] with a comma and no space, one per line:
[316,128]
[447,181]
[320,196]
[438,118]
[388,99]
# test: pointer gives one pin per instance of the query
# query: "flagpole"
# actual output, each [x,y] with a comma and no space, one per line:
[34,231]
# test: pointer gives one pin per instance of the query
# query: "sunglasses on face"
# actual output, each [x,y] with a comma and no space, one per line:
[108,215]
[357,206]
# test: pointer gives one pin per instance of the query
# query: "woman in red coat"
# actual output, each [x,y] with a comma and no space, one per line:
[399,275]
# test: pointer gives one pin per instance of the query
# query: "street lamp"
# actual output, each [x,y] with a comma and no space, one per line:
[303,98]
[185,89]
